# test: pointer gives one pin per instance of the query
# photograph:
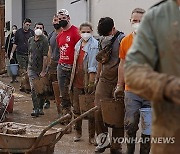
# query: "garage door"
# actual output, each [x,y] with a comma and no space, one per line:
[41,11]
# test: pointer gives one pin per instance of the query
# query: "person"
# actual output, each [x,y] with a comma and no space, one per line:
[53,53]
[83,76]
[38,50]
[133,103]
[8,47]
[21,46]
[66,41]
[152,70]
[108,80]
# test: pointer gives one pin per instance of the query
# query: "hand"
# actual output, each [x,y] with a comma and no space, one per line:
[91,88]
[119,91]
[11,55]
[42,74]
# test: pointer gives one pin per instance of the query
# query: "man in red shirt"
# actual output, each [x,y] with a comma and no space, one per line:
[66,41]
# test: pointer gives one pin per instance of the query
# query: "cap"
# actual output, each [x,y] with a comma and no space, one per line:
[63,12]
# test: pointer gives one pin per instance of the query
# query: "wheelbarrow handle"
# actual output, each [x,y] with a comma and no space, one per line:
[71,123]
[67,116]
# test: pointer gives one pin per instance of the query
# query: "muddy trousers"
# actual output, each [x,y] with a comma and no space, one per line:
[38,100]
[105,89]
[63,76]
[132,115]
[76,113]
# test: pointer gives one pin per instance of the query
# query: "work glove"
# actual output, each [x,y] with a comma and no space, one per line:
[91,88]
[119,92]
[172,90]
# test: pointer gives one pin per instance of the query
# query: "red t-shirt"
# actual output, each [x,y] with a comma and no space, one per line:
[66,41]
[79,74]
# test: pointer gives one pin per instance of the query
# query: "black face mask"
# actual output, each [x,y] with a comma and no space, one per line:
[57,26]
[63,23]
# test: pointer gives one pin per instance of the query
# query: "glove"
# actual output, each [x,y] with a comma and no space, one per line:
[172,90]
[91,88]
[119,92]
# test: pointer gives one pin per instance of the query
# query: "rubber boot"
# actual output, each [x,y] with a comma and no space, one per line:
[116,148]
[91,128]
[131,146]
[145,145]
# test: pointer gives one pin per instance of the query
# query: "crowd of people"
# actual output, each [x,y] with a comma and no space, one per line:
[134,67]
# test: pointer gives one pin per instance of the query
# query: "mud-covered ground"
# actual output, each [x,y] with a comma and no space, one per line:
[21,114]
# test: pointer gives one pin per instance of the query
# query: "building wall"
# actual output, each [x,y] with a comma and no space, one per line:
[119,10]
[13,12]
[77,10]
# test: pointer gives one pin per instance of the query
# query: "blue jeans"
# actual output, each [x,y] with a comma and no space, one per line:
[64,75]
[132,115]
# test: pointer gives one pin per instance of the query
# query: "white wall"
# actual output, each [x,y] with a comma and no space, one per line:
[77,10]
[13,12]
[119,10]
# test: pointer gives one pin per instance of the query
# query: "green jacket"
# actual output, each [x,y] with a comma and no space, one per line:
[37,50]
[151,61]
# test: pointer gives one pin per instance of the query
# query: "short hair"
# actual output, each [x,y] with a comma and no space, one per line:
[138,10]
[27,20]
[14,26]
[39,23]
[105,26]
[85,24]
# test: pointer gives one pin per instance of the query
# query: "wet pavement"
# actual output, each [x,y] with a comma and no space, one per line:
[21,114]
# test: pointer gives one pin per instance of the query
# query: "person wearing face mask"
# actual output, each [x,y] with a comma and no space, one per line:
[133,102]
[37,65]
[8,47]
[66,41]
[53,54]
[83,76]
[107,79]
[21,47]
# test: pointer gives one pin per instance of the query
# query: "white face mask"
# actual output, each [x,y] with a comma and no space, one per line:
[14,31]
[86,36]
[38,32]
[135,27]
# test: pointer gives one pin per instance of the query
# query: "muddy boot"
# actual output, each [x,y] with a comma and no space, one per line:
[116,147]
[131,146]
[78,134]
[91,128]
[46,104]
[100,129]
[145,145]
[35,113]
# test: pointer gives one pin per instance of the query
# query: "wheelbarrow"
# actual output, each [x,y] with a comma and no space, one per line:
[31,139]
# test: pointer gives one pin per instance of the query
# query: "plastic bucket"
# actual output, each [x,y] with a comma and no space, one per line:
[146,120]
[86,102]
[113,112]
[11,104]
[14,69]
[57,95]
[8,70]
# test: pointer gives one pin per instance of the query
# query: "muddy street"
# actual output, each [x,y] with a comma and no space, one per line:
[21,114]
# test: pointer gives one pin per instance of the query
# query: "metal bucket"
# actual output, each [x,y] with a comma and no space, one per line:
[86,102]
[56,91]
[113,112]
[146,120]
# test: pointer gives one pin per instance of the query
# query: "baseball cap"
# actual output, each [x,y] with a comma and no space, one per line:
[63,12]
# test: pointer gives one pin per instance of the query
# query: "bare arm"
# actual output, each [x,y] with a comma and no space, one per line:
[12,51]
[49,55]
[121,73]
[45,62]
